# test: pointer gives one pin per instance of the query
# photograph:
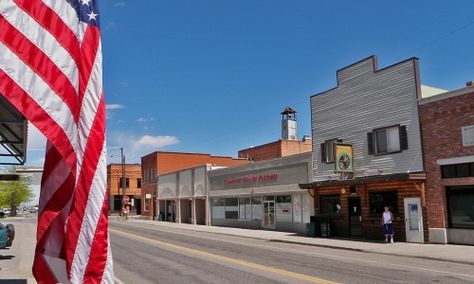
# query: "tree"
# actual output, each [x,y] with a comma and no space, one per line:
[15,192]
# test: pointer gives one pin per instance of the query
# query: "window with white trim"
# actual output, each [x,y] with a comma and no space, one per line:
[387,140]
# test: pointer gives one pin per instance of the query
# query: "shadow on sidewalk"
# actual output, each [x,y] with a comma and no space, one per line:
[3,257]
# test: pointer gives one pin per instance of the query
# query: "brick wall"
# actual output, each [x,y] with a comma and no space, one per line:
[441,121]
[277,149]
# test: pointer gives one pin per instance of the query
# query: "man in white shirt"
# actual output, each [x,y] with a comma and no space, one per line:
[387,218]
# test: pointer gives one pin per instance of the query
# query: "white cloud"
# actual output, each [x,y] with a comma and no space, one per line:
[114,106]
[136,147]
[110,107]
[143,119]
[156,141]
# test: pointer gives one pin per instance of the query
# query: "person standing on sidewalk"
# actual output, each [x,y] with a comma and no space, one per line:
[387,218]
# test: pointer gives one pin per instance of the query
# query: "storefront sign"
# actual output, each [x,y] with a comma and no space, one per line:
[291,174]
[251,179]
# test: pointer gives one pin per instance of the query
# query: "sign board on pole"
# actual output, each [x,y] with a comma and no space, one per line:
[126,199]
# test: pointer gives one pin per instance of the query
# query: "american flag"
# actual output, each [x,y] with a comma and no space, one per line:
[51,70]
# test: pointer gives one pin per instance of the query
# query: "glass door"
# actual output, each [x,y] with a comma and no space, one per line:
[269,214]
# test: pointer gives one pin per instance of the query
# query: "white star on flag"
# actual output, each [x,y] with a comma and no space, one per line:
[92,16]
[86,2]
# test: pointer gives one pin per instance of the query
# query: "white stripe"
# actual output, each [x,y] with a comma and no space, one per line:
[90,104]
[108,276]
[42,39]
[68,14]
[92,213]
[39,91]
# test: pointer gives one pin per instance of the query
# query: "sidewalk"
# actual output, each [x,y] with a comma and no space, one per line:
[452,253]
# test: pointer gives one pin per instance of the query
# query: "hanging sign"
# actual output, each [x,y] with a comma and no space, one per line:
[343,156]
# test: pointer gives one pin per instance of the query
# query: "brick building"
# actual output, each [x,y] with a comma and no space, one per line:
[133,184]
[288,144]
[162,162]
[447,122]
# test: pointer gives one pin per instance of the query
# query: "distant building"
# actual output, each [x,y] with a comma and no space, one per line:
[288,144]
[161,162]
[447,124]
[132,189]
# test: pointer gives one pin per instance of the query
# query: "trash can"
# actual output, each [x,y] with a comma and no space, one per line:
[325,229]
[311,229]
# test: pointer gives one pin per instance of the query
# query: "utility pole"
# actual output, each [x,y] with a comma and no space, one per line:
[124,190]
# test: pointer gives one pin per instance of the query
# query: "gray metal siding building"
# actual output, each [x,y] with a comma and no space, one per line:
[366,99]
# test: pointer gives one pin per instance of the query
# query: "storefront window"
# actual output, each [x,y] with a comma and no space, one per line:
[284,212]
[330,204]
[218,208]
[460,201]
[378,200]
[231,208]
[256,208]
[245,209]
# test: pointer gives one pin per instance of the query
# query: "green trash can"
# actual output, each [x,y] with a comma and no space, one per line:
[311,229]
[325,229]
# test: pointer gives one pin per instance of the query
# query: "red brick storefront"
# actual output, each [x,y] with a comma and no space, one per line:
[446,120]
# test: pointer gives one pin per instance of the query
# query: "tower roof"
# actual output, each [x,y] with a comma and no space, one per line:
[288,110]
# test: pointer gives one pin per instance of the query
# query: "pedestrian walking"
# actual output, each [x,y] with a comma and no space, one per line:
[387,218]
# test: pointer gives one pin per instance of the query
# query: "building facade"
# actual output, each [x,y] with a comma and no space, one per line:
[367,152]
[161,162]
[132,189]
[263,195]
[447,122]
[182,196]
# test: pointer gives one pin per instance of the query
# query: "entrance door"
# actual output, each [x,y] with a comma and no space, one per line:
[413,220]
[269,214]
[355,217]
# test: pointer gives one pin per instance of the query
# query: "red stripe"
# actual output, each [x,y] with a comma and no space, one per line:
[57,202]
[98,257]
[41,270]
[51,22]
[93,149]
[41,64]
[89,48]
[34,113]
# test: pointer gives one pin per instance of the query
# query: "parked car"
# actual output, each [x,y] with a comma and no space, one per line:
[7,234]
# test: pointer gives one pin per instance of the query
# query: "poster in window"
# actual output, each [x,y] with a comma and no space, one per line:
[343,160]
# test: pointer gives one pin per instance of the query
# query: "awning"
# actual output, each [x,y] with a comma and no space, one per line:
[13,134]
[364,180]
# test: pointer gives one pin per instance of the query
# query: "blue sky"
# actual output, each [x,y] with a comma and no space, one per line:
[213,76]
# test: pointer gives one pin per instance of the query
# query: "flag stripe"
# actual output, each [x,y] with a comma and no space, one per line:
[37,115]
[38,61]
[98,259]
[51,70]
[63,31]
[79,234]
[39,91]
[90,53]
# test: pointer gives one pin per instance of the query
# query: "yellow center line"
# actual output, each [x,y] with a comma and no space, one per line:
[226,259]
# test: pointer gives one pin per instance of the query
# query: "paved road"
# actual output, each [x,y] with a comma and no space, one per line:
[16,262]
[156,254]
